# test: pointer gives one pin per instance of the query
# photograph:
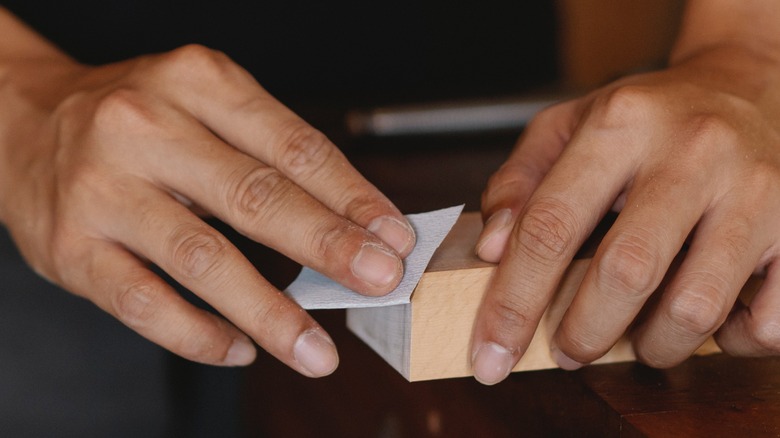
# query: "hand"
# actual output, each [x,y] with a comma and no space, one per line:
[101,165]
[689,153]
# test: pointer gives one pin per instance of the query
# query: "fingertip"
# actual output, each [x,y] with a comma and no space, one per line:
[492,242]
[377,266]
[315,352]
[491,248]
[241,353]
[564,361]
[397,233]
[492,363]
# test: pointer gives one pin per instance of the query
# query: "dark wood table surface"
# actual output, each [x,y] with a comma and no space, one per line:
[705,396]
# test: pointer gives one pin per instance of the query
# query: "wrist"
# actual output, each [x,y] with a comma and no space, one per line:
[30,91]
[748,73]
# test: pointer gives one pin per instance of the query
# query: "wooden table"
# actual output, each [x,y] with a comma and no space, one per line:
[707,396]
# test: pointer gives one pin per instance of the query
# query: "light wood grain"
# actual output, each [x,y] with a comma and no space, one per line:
[430,337]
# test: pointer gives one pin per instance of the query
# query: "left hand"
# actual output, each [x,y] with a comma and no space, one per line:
[100,165]
[692,152]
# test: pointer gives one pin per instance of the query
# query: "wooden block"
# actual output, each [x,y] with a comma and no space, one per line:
[429,338]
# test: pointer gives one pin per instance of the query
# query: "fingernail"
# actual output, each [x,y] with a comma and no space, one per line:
[564,361]
[376,265]
[490,246]
[492,363]
[240,353]
[315,352]
[398,234]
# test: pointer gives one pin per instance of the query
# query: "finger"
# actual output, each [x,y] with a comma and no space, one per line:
[565,208]
[120,284]
[510,187]
[264,205]
[204,262]
[700,296]
[754,329]
[227,99]
[629,265]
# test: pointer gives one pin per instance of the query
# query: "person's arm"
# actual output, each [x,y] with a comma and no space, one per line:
[99,169]
[687,154]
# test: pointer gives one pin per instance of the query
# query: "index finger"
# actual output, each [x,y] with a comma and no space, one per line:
[224,97]
[558,217]
[515,181]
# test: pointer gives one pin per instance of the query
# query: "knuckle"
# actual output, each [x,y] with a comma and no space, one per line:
[303,150]
[510,175]
[546,231]
[628,268]
[196,59]
[195,52]
[711,135]
[502,184]
[713,128]
[362,202]
[737,241]
[122,109]
[324,239]
[509,315]
[136,304]
[623,105]
[264,319]
[199,344]
[256,191]
[584,347]
[271,320]
[698,310]
[197,252]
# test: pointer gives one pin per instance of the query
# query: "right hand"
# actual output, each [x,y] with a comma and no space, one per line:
[101,167]
[690,157]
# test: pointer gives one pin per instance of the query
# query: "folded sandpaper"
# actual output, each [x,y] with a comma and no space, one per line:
[312,290]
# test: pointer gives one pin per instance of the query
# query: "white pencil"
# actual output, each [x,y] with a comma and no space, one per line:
[446,117]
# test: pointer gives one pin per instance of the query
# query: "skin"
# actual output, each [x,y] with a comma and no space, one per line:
[687,154]
[103,169]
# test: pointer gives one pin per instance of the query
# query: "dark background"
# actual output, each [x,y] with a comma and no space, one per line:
[343,51]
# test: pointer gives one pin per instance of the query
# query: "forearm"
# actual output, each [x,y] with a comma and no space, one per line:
[747,24]
[18,41]
[31,67]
